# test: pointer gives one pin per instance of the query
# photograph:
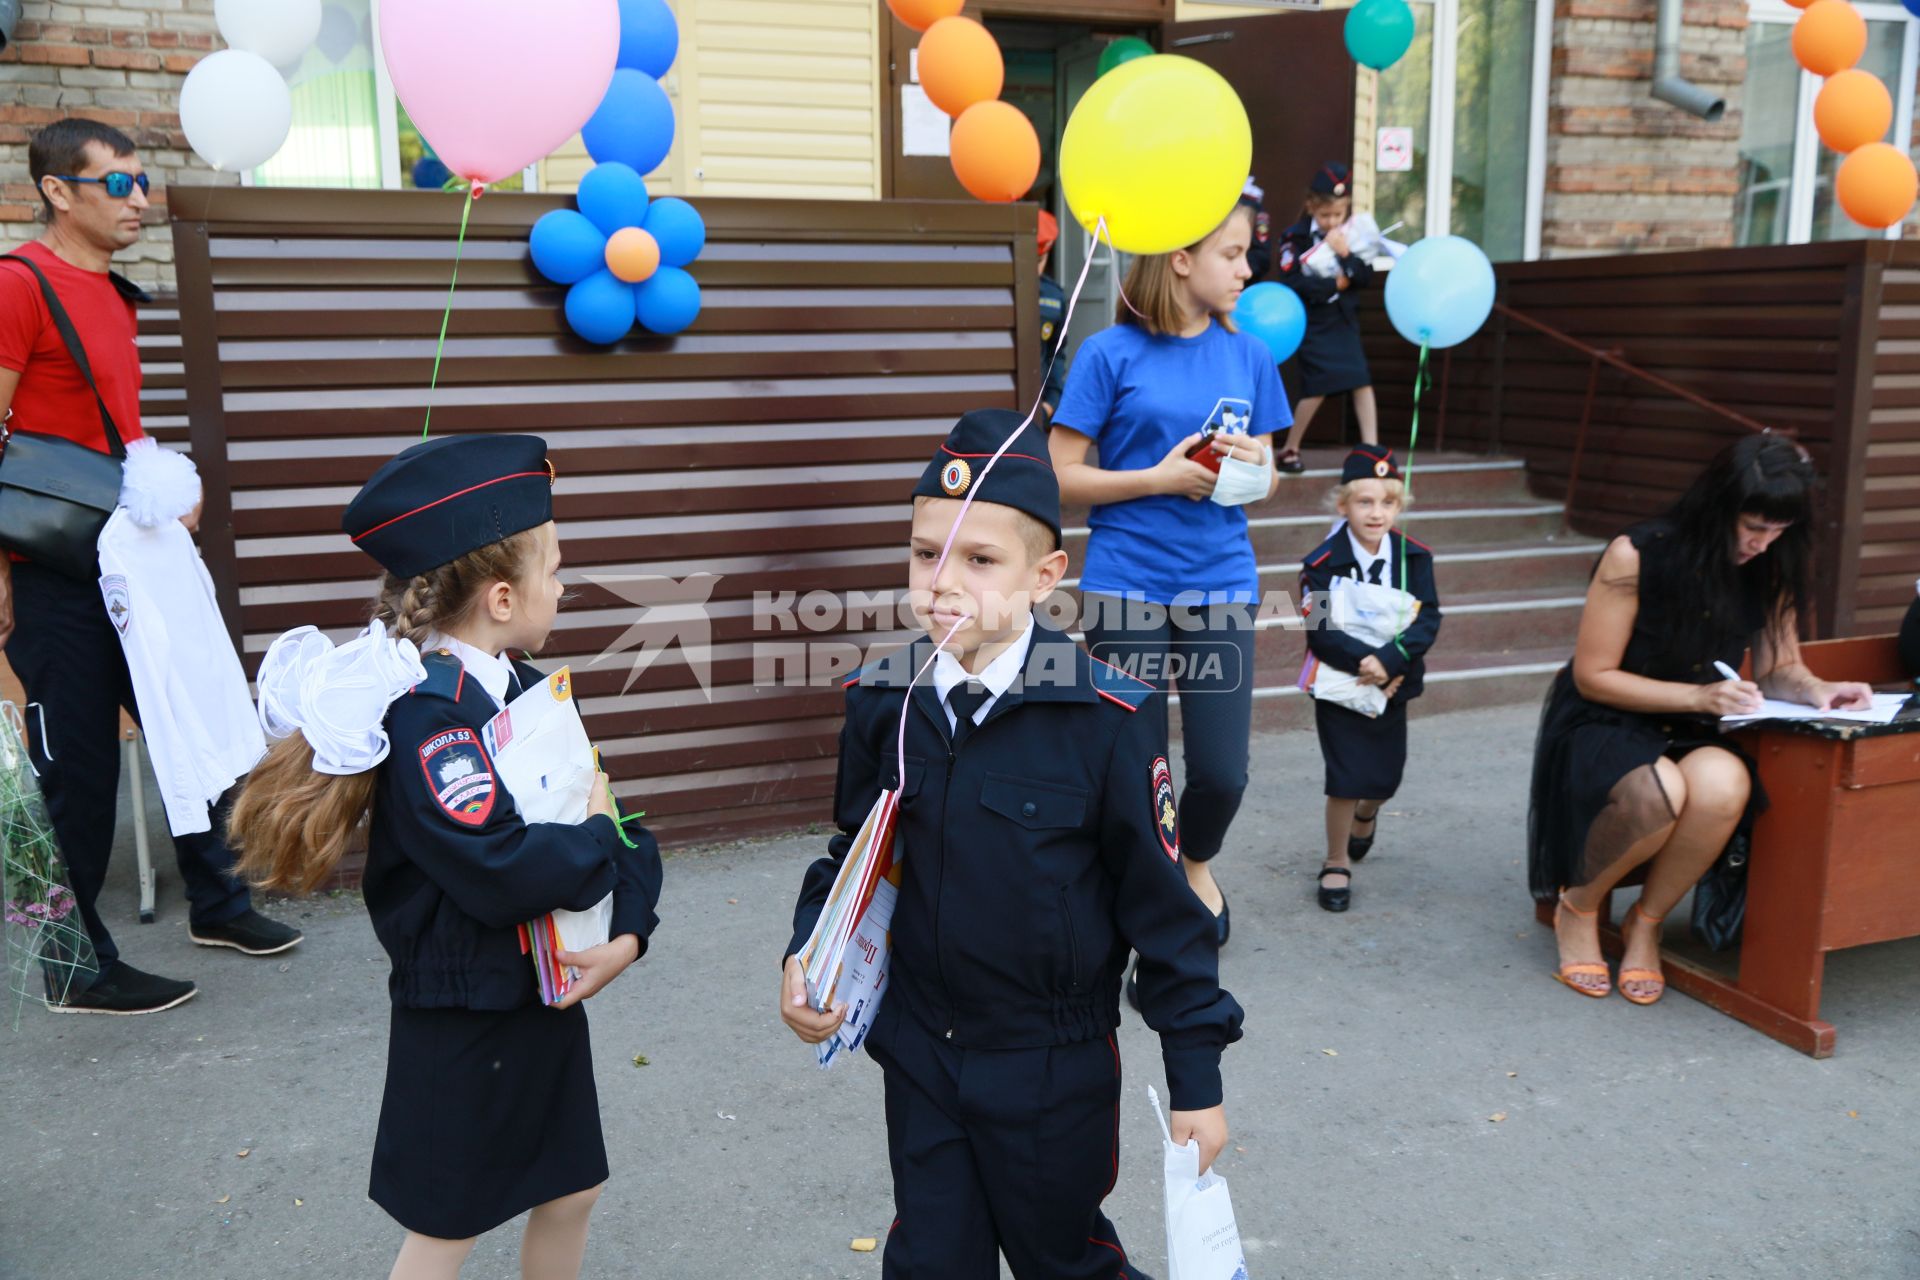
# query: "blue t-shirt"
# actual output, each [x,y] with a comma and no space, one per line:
[1136,395]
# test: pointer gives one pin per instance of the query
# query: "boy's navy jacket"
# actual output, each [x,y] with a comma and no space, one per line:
[1036,857]
[1334,559]
[452,871]
[1316,291]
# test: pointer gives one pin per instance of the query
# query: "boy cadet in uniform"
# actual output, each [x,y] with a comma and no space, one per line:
[1040,844]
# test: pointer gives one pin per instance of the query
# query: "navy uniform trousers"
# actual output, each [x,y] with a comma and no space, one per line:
[68,657]
[999,1150]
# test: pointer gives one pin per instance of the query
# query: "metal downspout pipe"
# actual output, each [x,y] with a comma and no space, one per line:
[1668,84]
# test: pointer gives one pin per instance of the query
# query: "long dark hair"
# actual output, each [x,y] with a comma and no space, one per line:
[1760,475]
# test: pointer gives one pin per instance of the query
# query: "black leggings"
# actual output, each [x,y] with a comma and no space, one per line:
[1207,654]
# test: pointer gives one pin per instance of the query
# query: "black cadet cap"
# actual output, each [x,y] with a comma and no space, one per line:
[1023,478]
[1332,180]
[1369,462]
[436,501]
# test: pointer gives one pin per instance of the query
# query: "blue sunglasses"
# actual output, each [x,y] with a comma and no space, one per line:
[118,185]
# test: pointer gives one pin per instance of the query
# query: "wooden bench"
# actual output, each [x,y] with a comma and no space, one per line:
[1836,857]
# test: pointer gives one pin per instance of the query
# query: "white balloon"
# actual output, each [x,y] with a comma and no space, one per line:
[281,31]
[236,110]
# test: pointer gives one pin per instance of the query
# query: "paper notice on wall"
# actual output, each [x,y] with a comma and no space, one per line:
[1395,152]
[925,130]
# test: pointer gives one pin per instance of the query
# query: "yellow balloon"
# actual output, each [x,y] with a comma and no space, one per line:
[1161,148]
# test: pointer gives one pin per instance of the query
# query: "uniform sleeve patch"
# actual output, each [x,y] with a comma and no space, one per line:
[1166,818]
[459,776]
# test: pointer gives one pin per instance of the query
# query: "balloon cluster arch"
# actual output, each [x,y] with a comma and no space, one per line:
[1876,183]
[993,148]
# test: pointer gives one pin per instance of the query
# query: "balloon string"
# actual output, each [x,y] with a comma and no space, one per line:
[1413,441]
[973,491]
[459,247]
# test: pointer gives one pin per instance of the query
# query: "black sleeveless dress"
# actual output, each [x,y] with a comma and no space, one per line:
[1595,790]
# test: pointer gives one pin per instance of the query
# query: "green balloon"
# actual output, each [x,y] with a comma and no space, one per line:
[1379,32]
[1125,49]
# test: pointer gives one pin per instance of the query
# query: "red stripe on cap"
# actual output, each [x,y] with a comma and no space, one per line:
[518,475]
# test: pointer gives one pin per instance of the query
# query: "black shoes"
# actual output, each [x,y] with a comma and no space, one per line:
[1340,897]
[250,932]
[123,989]
[1223,923]
[1359,846]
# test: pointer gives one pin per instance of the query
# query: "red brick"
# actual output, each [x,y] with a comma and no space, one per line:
[163,39]
[30,115]
[55,55]
[18,212]
[126,60]
[124,38]
[192,40]
[181,63]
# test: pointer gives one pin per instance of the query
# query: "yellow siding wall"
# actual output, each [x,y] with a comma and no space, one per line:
[776,98]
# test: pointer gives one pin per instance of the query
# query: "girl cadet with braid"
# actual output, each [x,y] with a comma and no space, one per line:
[490,1108]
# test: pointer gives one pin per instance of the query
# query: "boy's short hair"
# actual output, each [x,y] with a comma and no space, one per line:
[61,147]
[1039,540]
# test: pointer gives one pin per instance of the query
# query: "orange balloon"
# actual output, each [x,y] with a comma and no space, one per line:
[1853,109]
[996,153]
[633,255]
[1876,185]
[1829,37]
[1799,4]
[921,14]
[960,64]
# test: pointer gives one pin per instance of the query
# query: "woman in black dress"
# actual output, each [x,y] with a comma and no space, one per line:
[1630,767]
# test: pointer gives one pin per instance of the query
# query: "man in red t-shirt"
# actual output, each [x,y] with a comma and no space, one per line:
[56,631]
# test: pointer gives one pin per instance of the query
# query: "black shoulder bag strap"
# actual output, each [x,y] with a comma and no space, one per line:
[71,337]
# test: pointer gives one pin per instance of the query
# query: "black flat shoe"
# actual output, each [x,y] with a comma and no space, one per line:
[1223,923]
[1336,899]
[1290,462]
[1359,847]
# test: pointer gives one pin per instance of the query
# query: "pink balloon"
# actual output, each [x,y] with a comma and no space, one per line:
[494,85]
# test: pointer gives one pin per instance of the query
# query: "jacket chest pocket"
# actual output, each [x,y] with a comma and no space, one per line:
[916,775]
[1033,804]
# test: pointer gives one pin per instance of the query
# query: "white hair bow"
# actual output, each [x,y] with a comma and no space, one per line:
[337,698]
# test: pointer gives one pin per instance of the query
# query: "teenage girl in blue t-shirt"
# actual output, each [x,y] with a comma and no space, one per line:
[1169,583]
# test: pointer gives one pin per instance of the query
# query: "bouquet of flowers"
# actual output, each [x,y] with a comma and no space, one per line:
[46,944]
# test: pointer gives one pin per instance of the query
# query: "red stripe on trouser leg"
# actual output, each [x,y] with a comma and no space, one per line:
[1108,1244]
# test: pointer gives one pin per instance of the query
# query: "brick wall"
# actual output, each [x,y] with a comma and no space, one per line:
[1626,172]
[120,62]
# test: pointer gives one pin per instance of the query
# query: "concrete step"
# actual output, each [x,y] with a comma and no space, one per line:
[1452,477]
[1440,527]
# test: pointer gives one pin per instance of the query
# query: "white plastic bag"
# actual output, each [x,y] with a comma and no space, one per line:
[1372,613]
[1203,1241]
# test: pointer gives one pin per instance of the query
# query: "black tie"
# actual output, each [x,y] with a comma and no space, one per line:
[965,700]
[1373,570]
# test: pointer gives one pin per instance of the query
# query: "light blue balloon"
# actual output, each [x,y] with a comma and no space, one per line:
[600,308]
[668,302]
[567,247]
[678,228]
[633,124]
[1274,314]
[1379,32]
[649,37]
[613,196]
[1440,292]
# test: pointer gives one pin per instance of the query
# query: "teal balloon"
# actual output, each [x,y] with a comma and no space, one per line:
[600,308]
[567,247]
[613,196]
[679,230]
[1379,32]
[1440,292]
[666,303]
[1123,50]
[1274,314]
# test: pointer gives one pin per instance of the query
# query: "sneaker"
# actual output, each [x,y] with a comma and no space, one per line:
[250,932]
[123,989]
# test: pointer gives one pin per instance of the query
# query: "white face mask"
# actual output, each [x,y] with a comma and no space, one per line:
[1242,482]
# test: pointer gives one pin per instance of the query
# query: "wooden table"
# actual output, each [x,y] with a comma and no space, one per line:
[1835,859]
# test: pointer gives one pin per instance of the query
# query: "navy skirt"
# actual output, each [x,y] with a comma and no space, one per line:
[487,1113]
[1331,357]
[1366,756]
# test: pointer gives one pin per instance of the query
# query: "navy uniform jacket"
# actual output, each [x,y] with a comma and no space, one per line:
[1318,292]
[452,871]
[1910,640]
[1334,559]
[1053,332]
[1035,857]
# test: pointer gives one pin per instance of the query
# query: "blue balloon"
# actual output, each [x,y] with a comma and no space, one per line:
[680,230]
[1274,314]
[430,173]
[649,37]
[613,196]
[600,308]
[1913,7]
[567,248]
[633,124]
[668,302]
[1379,32]
[1440,292]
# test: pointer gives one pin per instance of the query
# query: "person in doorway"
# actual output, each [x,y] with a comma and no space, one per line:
[56,629]
[1327,258]
[1053,321]
[1630,768]
[1169,582]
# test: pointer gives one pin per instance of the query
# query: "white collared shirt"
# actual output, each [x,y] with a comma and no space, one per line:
[1365,560]
[494,671]
[999,676]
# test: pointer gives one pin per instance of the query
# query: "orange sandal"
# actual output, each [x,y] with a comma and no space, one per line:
[1652,976]
[1568,972]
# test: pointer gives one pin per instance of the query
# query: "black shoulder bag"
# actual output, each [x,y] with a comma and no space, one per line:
[55,493]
